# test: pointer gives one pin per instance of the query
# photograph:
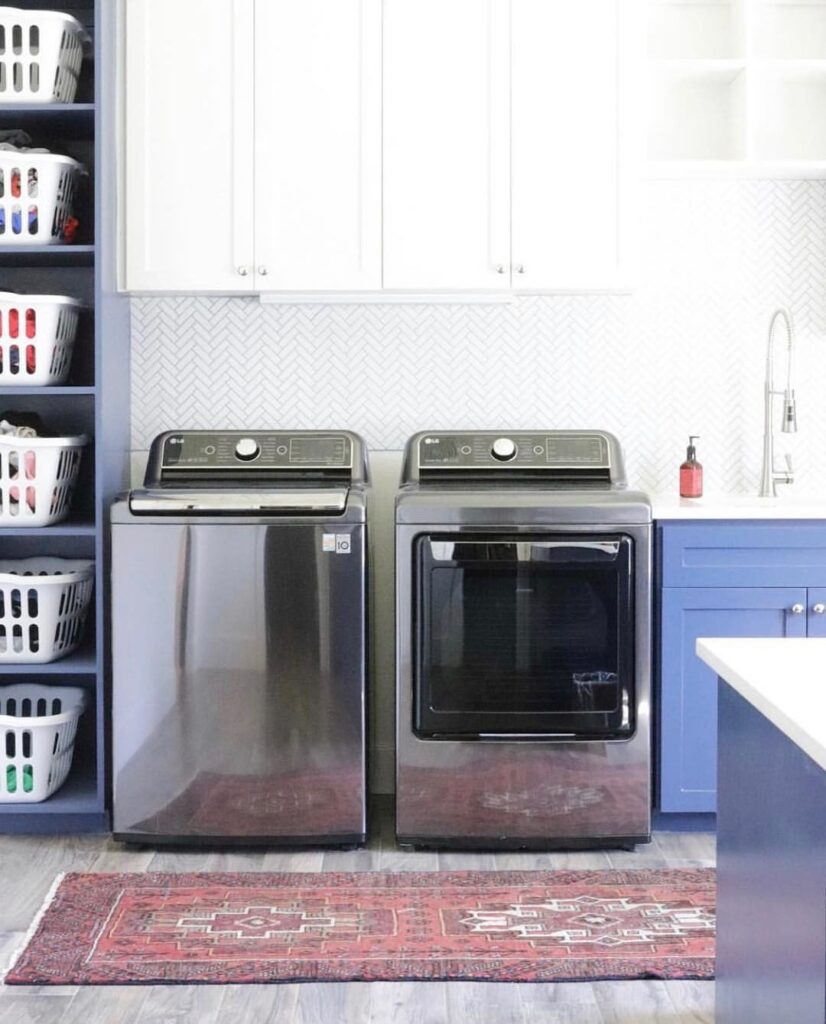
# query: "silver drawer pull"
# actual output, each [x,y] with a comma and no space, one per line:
[797,609]
[819,609]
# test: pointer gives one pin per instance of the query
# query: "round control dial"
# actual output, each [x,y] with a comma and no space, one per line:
[247,449]
[504,449]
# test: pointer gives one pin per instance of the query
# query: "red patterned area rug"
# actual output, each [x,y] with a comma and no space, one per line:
[103,929]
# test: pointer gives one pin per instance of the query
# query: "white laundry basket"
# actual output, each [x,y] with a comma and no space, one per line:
[37,336]
[41,53]
[37,478]
[38,725]
[37,193]
[43,607]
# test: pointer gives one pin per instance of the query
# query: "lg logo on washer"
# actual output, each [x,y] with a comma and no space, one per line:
[337,542]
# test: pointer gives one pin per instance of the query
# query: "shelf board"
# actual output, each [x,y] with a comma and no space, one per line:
[47,255]
[46,108]
[68,389]
[81,663]
[713,68]
[725,169]
[70,529]
[78,795]
[72,119]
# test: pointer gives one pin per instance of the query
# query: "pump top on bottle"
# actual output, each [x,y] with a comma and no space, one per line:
[691,472]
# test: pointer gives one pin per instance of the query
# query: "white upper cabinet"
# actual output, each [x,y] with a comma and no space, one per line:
[188,134]
[318,144]
[446,145]
[253,134]
[346,146]
[575,143]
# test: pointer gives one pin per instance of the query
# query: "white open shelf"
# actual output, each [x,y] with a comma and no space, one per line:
[706,100]
[696,29]
[789,29]
[737,86]
[788,99]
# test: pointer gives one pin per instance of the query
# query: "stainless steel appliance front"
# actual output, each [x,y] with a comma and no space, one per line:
[523,653]
[239,654]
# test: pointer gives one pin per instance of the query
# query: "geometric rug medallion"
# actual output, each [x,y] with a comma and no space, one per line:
[246,927]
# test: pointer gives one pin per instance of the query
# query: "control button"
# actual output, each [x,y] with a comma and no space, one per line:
[281,450]
[247,449]
[504,449]
[209,450]
[538,449]
[466,449]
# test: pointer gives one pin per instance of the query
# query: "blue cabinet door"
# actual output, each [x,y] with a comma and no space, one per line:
[688,688]
[817,612]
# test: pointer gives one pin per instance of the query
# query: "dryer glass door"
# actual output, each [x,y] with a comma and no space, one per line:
[525,637]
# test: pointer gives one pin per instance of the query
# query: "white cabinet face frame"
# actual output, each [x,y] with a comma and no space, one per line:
[318,144]
[447,145]
[188,133]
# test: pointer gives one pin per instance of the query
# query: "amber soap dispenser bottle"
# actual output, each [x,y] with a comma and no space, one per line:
[691,472]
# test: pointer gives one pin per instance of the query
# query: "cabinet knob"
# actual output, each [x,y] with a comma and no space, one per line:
[797,609]
[262,270]
[819,609]
[500,268]
[243,271]
[520,268]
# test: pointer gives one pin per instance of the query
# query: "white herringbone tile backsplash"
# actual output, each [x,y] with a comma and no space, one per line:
[684,353]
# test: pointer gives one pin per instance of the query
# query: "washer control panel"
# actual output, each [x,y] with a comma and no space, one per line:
[578,451]
[219,451]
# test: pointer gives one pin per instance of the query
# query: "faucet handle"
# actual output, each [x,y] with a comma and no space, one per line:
[789,468]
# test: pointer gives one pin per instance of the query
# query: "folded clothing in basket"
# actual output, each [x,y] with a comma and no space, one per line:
[16,140]
[11,778]
[23,424]
[28,424]
[19,141]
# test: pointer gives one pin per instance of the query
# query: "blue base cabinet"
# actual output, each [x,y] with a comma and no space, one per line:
[688,699]
[744,579]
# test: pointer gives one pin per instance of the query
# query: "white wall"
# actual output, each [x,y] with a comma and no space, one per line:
[683,354]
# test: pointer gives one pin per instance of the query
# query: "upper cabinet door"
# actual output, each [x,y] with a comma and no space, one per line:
[188,204]
[576,142]
[446,145]
[318,144]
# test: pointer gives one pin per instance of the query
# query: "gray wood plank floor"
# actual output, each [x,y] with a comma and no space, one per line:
[33,862]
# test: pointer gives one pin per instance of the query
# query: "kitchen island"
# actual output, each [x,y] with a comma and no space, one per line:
[771,830]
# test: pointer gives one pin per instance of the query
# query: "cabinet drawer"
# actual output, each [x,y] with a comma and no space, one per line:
[743,554]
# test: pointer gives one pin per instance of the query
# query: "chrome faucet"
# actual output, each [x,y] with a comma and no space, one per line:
[770,476]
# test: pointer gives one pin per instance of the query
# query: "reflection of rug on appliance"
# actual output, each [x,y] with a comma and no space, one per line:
[299,803]
[528,796]
[249,928]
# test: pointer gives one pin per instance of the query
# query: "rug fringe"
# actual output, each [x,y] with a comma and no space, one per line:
[30,931]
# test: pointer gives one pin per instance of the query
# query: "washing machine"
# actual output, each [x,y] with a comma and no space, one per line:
[239,641]
[523,576]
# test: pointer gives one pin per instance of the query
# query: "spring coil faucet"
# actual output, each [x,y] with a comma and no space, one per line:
[770,476]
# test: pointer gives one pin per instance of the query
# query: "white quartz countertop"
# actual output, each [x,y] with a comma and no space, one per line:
[784,679]
[739,506]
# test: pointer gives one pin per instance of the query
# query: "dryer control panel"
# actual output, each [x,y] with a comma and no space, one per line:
[580,452]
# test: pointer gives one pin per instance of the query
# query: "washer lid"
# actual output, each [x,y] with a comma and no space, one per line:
[256,501]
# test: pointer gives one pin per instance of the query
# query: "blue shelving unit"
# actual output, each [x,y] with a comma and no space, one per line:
[95,400]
